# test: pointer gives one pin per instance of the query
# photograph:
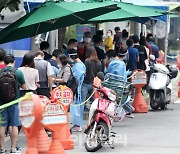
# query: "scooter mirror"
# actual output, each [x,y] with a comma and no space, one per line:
[152,57]
[100,75]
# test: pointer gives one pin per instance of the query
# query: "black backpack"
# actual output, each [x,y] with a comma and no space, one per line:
[8,86]
[72,83]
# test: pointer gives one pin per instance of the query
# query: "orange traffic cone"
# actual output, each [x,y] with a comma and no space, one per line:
[43,142]
[31,146]
[31,151]
[179,89]
[65,138]
[96,83]
[56,147]
[139,103]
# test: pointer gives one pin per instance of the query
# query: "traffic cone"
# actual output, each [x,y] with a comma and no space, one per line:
[96,83]
[31,149]
[56,146]
[139,103]
[65,137]
[179,89]
[43,142]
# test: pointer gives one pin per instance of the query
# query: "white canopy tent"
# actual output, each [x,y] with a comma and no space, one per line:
[10,17]
[167,25]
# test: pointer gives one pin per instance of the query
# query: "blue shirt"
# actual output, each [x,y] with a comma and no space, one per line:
[66,52]
[55,68]
[117,67]
[155,49]
[132,58]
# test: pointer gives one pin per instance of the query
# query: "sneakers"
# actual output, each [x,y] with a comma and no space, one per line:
[12,151]
[76,129]
[15,151]
[3,151]
[129,115]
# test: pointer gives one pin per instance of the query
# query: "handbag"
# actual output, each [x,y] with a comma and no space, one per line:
[72,83]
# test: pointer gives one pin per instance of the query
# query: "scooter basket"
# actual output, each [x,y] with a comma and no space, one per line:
[121,88]
[111,109]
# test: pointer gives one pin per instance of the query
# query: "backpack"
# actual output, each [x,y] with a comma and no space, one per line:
[72,83]
[8,86]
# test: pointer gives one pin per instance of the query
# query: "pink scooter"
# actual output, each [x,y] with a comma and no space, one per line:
[100,121]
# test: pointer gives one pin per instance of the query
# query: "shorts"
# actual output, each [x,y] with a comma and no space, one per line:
[10,116]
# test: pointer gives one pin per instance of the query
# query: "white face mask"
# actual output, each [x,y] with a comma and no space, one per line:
[87,39]
[75,48]
[108,34]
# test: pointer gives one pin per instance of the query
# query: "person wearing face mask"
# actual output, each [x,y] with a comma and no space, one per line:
[97,40]
[72,44]
[82,46]
[65,71]
[109,41]
[76,112]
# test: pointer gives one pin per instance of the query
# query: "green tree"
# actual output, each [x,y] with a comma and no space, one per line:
[13,5]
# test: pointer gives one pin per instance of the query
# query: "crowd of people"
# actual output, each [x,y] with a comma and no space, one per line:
[39,73]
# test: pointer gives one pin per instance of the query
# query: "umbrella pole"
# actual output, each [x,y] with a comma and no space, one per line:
[97,26]
[166,37]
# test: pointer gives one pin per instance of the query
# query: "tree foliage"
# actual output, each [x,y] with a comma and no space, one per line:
[13,5]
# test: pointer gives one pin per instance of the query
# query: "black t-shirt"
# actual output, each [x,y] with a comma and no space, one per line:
[100,53]
[117,37]
[92,68]
[142,57]
[47,56]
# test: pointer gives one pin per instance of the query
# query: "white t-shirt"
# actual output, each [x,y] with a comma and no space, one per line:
[147,60]
[31,76]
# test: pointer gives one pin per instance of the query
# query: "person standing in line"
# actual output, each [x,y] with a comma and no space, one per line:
[148,45]
[93,66]
[72,44]
[2,55]
[44,47]
[143,42]
[133,56]
[54,64]
[109,41]
[79,71]
[117,38]
[111,55]
[142,53]
[31,74]
[10,115]
[97,40]
[82,46]
[118,67]
[45,74]
[65,71]
[154,47]
[100,33]
[123,39]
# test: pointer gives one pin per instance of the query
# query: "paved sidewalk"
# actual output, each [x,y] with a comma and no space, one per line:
[155,132]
